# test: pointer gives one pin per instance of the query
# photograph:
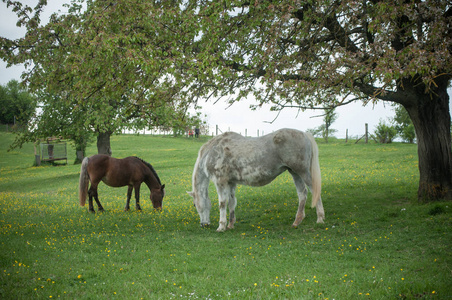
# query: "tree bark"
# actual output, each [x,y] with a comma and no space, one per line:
[431,119]
[103,143]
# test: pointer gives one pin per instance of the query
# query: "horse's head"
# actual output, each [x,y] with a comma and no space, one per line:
[157,197]
[202,206]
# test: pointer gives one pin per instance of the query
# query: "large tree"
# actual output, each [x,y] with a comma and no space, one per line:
[115,63]
[308,54]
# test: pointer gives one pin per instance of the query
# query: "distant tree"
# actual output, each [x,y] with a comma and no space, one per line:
[325,129]
[17,105]
[384,133]
[404,125]
[329,118]
[56,118]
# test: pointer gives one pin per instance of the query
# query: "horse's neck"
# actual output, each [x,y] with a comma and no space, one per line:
[200,180]
[152,182]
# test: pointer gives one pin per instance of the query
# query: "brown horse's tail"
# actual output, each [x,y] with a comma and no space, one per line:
[315,172]
[84,181]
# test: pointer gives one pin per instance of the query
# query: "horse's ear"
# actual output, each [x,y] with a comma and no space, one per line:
[162,187]
[192,194]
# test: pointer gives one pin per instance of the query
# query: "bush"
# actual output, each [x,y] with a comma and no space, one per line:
[384,133]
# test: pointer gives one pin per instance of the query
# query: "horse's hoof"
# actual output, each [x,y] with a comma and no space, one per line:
[126,209]
[92,211]
[205,225]
[101,210]
[221,229]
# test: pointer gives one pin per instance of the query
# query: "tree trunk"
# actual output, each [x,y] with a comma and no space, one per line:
[103,143]
[431,119]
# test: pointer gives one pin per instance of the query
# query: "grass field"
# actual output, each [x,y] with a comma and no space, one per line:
[377,242]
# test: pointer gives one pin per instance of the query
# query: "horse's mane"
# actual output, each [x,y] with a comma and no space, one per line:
[151,168]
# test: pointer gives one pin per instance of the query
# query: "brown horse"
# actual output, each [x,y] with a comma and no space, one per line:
[130,171]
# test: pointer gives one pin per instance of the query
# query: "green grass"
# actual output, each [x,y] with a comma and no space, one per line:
[377,242]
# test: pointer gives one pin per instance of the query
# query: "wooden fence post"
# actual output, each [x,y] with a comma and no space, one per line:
[367,133]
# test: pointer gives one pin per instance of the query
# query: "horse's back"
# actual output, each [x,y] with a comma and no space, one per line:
[115,172]
[98,163]
[233,158]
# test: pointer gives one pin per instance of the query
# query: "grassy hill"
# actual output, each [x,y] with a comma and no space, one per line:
[377,242]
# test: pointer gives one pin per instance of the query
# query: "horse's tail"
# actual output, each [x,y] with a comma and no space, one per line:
[315,172]
[84,181]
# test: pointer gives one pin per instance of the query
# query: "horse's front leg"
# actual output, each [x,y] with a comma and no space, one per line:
[137,197]
[223,197]
[222,223]
[129,195]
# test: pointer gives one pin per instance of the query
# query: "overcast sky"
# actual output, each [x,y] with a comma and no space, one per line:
[238,117]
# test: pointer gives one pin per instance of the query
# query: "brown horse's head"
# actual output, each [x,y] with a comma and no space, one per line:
[157,197]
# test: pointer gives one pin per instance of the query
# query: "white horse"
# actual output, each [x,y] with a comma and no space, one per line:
[230,159]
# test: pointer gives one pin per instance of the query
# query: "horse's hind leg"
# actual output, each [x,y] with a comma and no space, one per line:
[90,200]
[302,195]
[320,211]
[232,205]
[99,206]
[129,195]
[92,192]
